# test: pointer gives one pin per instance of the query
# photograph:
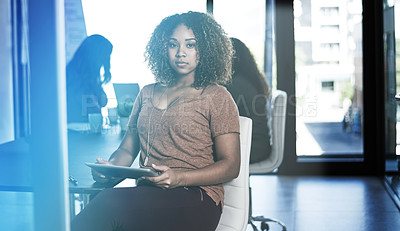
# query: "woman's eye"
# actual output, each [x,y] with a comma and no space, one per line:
[191,45]
[172,45]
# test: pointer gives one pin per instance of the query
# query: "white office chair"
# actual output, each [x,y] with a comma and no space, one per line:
[278,120]
[235,213]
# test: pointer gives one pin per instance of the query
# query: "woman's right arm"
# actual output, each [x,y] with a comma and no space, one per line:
[127,150]
[130,145]
[123,156]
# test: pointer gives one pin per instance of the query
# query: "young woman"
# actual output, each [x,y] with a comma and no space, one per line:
[85,81]
[251,93]
[186,127]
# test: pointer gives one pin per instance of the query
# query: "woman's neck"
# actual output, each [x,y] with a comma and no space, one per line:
[184,81]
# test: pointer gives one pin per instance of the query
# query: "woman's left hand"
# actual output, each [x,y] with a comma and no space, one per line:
[167,179]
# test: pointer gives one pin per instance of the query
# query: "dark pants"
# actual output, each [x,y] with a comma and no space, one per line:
[149,208]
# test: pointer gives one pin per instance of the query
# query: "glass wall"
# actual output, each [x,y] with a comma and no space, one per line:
[128,25]
[395,5]
[391,39]
[6,73]
[391,42]
[244,21]
[328,60]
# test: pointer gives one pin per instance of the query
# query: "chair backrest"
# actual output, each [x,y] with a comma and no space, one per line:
[235,212]
[278,121]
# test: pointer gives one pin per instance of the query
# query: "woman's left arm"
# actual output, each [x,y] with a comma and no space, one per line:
[226,167]
[102,98]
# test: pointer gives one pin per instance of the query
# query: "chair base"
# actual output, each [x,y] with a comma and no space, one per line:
[264,225]
[262,219]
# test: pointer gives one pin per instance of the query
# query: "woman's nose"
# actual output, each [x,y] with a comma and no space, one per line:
[180,52]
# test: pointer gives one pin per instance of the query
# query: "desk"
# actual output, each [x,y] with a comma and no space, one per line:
[15,166]
[86,147]
[82,147]
[16,196]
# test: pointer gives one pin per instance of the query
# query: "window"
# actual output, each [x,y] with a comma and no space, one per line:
[330,47]
[329,11]
[128,25]
[244,21]
[327,85]
[329,102]
[330,29]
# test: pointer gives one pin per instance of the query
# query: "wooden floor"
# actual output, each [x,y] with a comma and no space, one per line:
[325,203]
[303,203]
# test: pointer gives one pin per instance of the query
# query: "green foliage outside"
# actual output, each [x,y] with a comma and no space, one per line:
[347,91]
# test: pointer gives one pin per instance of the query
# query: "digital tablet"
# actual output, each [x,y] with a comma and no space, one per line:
[121,171]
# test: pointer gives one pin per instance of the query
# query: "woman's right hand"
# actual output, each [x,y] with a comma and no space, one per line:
[98,177]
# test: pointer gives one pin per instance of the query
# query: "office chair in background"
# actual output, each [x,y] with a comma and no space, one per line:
[278,116]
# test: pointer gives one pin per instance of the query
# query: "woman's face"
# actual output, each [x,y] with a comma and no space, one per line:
[182,51]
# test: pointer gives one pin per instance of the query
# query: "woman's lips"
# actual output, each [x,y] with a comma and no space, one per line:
[181,64]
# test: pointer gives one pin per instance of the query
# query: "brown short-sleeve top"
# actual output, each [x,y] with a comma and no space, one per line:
[182,136]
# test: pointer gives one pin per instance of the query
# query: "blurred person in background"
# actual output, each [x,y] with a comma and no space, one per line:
[87,72]
[251,93]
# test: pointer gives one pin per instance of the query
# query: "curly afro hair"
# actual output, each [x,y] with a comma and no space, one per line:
[214,48]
